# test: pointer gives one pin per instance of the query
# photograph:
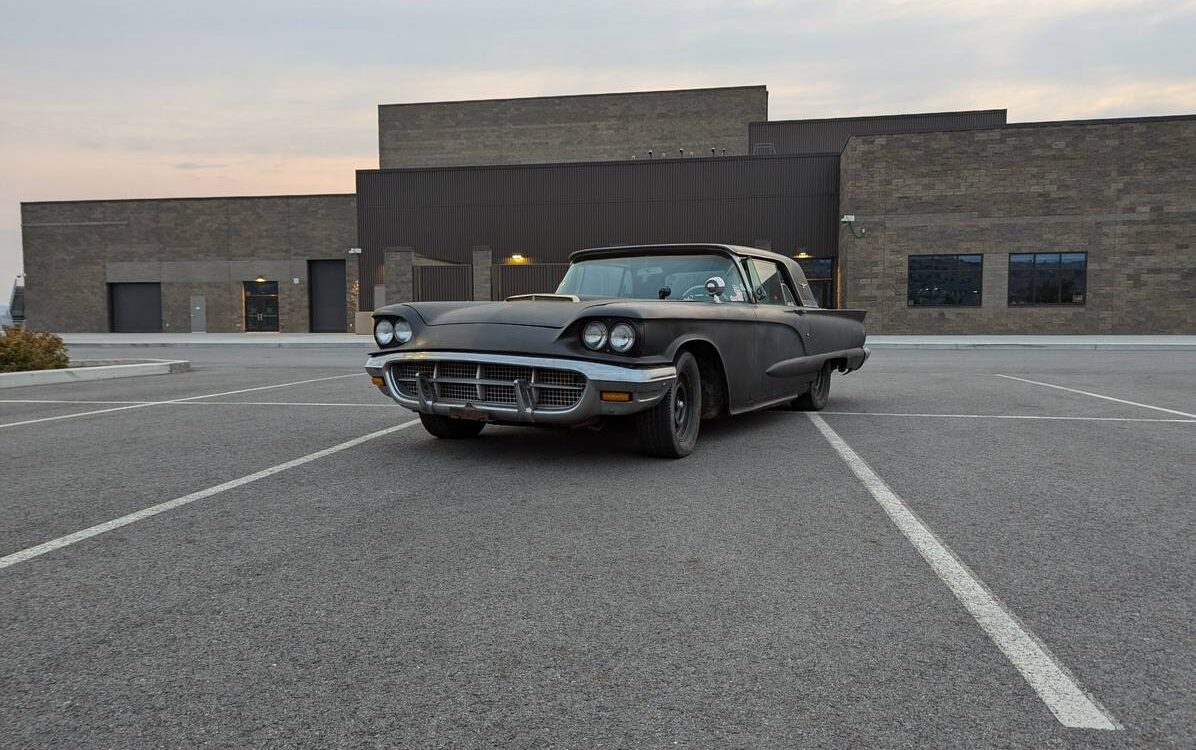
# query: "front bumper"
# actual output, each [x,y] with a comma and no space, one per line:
[426,395]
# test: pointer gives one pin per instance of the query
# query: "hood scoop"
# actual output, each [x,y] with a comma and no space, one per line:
[543,298]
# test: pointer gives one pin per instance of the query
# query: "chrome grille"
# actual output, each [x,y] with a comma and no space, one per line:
[460,381]
[457,391]
[457,371]
[498,394]
[508,373]
[556,396]
[559,377]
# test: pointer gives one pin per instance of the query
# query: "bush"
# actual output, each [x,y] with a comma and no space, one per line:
[22,350]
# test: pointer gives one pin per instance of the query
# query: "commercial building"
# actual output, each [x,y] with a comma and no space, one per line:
[277,263]
[961,222]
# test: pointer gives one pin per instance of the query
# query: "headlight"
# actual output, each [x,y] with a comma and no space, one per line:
[402,331]
[594,335]
[384,332]
[622,337]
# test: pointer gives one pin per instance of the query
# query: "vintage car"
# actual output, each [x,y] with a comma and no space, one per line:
[666,334]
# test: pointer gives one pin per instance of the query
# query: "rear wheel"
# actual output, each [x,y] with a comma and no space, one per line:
[449,428]
[670,429]
[820,390]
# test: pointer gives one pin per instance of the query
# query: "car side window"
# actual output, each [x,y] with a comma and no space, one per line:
[770,284]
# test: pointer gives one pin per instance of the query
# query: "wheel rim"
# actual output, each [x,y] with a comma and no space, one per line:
[681,406]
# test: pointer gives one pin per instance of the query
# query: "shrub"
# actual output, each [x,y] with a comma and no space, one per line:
[31,350]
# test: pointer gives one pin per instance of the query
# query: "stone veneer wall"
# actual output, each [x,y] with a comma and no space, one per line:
[1124,192]
[192,246]
[597,127]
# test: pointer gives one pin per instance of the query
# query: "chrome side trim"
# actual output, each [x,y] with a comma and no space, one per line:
[592,370]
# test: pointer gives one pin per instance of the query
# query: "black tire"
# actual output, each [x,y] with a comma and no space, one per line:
[820,390]
[670,429]
[449,428]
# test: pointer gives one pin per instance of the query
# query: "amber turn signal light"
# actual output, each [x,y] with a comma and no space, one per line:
[378,381]
[621,396]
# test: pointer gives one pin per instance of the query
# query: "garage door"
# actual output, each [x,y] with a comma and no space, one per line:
[135,308]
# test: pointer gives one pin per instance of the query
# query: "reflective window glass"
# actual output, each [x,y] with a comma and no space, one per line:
[945,279]
[1048,278]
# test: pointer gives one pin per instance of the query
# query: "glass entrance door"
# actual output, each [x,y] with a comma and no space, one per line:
[261,305]
[820,272]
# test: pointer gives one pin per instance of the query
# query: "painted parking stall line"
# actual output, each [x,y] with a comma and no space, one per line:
[1048,418]
[1098,395]
[178,502]
[145,404]
[1055,685]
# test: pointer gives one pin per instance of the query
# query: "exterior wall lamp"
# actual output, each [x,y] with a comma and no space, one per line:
[849,220]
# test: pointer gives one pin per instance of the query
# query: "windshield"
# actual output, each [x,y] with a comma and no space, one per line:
[671,277]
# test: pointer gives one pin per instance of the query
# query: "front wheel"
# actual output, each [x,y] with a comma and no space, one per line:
[449,428]
[820,390]
[670,429]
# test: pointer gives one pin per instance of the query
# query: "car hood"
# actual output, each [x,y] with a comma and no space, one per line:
[554,314]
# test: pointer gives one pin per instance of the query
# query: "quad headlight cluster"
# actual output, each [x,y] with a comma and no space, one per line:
[597,335]
[389,331]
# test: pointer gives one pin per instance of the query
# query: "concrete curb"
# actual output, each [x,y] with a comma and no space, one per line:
[101,372]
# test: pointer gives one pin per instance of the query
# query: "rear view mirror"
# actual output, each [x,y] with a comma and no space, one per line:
[715,286]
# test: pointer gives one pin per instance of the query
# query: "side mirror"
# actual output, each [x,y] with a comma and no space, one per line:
[715,286]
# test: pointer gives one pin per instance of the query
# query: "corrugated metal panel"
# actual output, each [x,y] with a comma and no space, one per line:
[822,136]
[443,283]
[544,212]
[527,279]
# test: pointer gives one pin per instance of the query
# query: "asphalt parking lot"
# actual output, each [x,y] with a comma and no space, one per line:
[967,549]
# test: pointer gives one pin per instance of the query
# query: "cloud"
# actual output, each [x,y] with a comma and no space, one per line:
[145,98]
[189,165]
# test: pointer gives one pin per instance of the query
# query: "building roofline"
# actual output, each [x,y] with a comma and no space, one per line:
[605,162]
[575,96]
[1098,121]
[1039,124]
[191,198]
[882,117]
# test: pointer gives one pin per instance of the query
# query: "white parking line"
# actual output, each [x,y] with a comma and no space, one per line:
[174,401]
[178,502]
[188,403]
[1007,416]
[1097,395]
[1057,688]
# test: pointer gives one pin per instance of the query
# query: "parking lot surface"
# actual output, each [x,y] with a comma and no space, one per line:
[981,549]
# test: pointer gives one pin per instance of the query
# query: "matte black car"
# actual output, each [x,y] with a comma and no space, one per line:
[666,334]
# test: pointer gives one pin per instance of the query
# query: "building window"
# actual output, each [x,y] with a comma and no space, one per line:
[1048,278]
[945,279]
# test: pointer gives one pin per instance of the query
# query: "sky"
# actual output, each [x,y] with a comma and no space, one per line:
[162,98]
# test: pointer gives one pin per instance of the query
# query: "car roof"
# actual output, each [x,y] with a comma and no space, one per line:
[679,248]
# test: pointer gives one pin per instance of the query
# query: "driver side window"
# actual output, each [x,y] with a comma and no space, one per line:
[770,284]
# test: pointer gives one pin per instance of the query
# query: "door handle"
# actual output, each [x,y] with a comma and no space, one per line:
[797,310]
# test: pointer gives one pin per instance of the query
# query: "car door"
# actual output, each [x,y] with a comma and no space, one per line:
[782,330]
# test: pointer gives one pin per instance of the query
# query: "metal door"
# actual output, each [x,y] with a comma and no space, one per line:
[261,306]
[326,296]
[199,314]
[135,308]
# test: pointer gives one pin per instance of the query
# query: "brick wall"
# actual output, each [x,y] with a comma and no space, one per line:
[205,246]
[599,127]
[1124,192]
